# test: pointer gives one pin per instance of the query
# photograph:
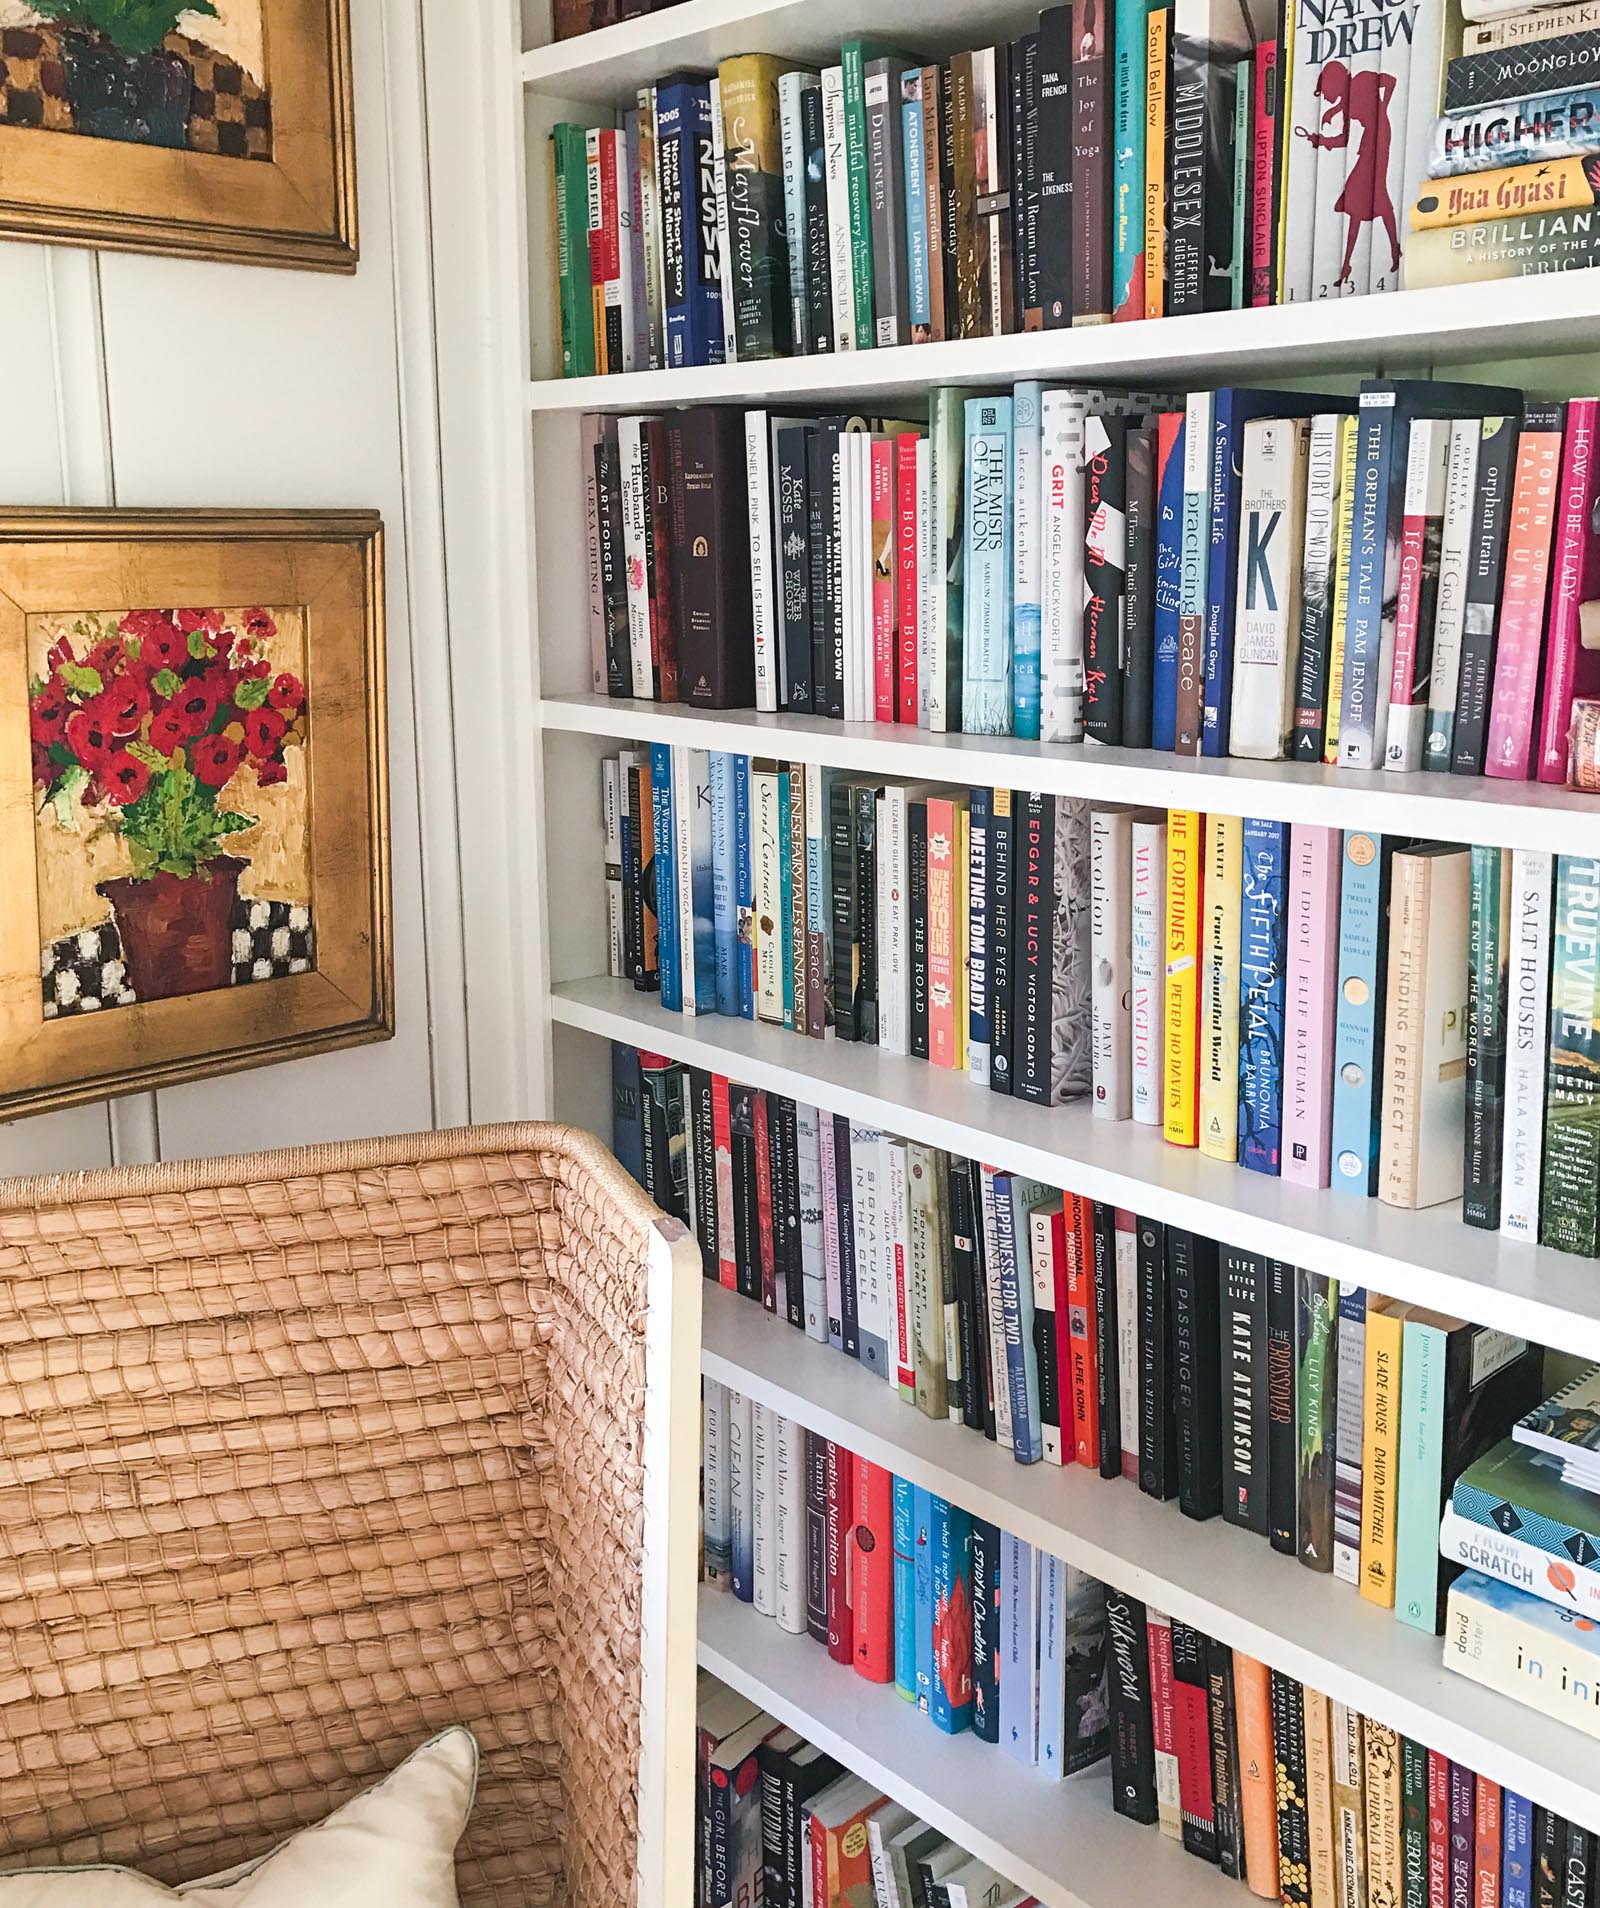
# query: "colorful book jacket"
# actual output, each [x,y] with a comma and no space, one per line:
[950,1698]
[986,697]
[1358,1020]
[1262,947]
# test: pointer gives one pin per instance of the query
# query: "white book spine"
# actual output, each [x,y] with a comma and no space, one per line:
[630,449]
[1430,28]
[1128,1339]
[1317,550]
[1455,556]
[874,1323]
[1334,230]
[930,585]
[768,923]
[741,1504]
[995,1321]
[1427,473]
[1042,1269]
[809,1171]
[763,1511]
[1027,580]
[1527,1022]
[789,1522]
[1302,160]
[1271,518]
[719,177]
[894,961]
[897,1239]
[1061,679]
[1147,968]
[611,818]
[1379,248]
[1052,1666]
[1111,938]
[837,180]
[763,609]
[1019,1648]
[715,1482]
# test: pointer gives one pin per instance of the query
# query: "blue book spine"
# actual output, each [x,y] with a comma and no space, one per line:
[627,1109]
[786,895]
[1356,1009]
[1516,1850]
[1027,610]
[744,892]
[1016,1311]
[905,1590]
[951,1693]
[689,239]
[1168,598]
[669,952]
[1129,81]
[979,814]
[986,612]
[921,298]
[725,882]
[922,1574]
[1221,579]
[1361,737]
[694,790]
[1263,927]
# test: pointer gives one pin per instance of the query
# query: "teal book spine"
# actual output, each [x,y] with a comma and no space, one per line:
[1358,1012]
[1243,170]
[1424,1350]
[922,1581]
[951,1694]
[905,1591]
[786,895]
[986,637]
[1129,79]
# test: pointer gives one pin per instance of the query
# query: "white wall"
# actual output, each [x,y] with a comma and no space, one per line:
[150,382]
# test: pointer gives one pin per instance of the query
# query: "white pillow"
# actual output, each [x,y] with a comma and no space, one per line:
[393,1846]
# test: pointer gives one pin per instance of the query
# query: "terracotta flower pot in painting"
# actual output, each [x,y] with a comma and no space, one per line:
[177,930]
[142,98]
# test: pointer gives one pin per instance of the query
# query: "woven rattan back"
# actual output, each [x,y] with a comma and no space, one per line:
[303,1457]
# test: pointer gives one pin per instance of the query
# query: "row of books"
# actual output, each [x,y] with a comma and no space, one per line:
[1304,1799]
[1333,1423]
[1395,580]
[1418,1022]
[784,1824]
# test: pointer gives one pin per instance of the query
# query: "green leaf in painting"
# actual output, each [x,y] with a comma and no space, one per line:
[252,692]
[80,678]
[166,682]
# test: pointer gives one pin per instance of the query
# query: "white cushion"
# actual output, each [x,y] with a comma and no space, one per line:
[393,1846]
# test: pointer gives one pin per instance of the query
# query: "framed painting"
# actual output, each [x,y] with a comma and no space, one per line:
[193,796]
[218,129]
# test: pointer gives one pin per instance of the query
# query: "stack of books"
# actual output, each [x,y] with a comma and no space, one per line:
[1513,165]
[1395,580]
[1412,1021]
[1524,1523]
[783,1824]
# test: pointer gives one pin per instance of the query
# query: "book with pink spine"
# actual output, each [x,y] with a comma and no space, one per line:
[1570,670]
[885,634]
[1535,493]
[1265,129]
[1314,870]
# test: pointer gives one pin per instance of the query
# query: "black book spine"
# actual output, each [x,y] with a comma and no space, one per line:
[1192,1269]
[1222,1717]
[703,1168]
[714,620]
[1243,1351]
[821,475]
[845,1180]
[846,910]
[1316,1410]
[1577,1868]
[652,1146]
[1054,167]
[613,573]
[1189,1667]
[985,1630]
[794,565]
[746,1198]
[1035,861]
[817,1538]
[819,269]
[1133,1754]
[1104,577]
[963,1223]
[1567,61]
[917,924]
[784,1121]
[1549,1835]
[1289,1771]
[1139,586]
[777,1785]
[1187,134]
[1000,879]
[981,1274]
[1283,1468]
[1487,976]
[1486,560]
[1030,309]
[633,881]
[867,914]
[1106,1338]
[1157,1472]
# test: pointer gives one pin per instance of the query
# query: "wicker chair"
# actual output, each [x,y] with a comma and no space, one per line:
[305,1456]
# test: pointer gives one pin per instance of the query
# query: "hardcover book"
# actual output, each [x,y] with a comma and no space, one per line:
[986,638]
[1309,1008]
[1317,1395]
[1262,951]
[1572,1119]
[1185,897]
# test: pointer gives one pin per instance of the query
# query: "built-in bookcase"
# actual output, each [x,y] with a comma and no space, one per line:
[1064,1841]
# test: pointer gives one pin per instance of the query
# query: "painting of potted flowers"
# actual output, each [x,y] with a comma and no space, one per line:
[197,779]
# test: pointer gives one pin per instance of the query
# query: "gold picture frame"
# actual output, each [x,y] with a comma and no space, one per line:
[281,193]
[284,681]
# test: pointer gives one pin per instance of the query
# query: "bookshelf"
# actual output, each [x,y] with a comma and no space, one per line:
[1065,1842]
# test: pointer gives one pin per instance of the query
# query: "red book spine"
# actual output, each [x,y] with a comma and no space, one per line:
[872,1571]
[1408,607]
[722,1145]
[885,633]
[1570,670]
[610,216]
[1486,1845]
[1085,1372]
[1524,593]
[1438,1830]
[1263,219]
[665,629]
[1063,1247]
[841,1629]
[769,1258]
[819,1866]
[1192,1740]
[905,517]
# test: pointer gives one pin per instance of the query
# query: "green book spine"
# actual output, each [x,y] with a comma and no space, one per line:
[853,57]
[1413,1824]
[1488,948]
[1422,1386]
[570,173]
[757,229]
[1572,1086]
[1243,171]
[1316,1394]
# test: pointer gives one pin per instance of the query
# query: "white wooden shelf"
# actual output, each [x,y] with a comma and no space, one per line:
[1062,1840]
[1334,338]
[1224,1581]
[1534,815]
[1429,1257]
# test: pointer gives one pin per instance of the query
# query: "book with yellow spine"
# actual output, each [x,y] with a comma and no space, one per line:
[1341,587]
[1319,1799]
[1219,990]
[1385,1863]
[1349,1811]
[1185,898]
[1551,185]
[1380,1448]
[1158,25]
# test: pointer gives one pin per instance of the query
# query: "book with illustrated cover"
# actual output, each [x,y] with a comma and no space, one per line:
[986,638]
[1262,958]
[1316,1388]
[1572,1119]
[1313,935]
[1289,1760]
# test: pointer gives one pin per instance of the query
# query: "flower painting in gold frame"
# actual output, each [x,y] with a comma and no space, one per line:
[219,129]
[193,796]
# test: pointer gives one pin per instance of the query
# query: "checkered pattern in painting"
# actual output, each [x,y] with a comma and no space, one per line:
[33,82]
[85,972]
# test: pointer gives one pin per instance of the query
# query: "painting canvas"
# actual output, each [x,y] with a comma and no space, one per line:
[230,116]
[203,845]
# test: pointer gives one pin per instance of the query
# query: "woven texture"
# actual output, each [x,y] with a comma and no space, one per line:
[303,1457]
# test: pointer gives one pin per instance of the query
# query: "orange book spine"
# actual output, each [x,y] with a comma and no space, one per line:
[1252,1694]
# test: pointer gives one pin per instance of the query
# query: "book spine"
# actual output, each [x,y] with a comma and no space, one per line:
[1567,1218]
[1133,1762]
[950,1697]
[1063,417]
[1129,99]
[1258,1800]
[1194,1324]
[1413,1824]
[1108,1339]
[715,1486]
[812,244]
[1069,1040]
[1479,79]
[793,571]
[1147,969]
[1461,473]
[763,601]
[1379,444]
[993,1319]
[836,173]
[1014,1300]
[1262,952]
[719,174]
[885,632]
[905,1591]
[1486,568]
[1185,894]
[1026,608]
[1313,928]
[570,168]
[915,134]
[1569,670]
[907,592]
[753,170]
[1535,500]
[1283,1471]
[1516,1850]
[859,198]
[1111,934]
[1127,1374]
[763,1511]
[1195,1795]
[816,1548]
[1289,1767]
[886,200]
[985,1553]
[1488,951]
[837,1538]
[1348,442]
[1272,509]
[917,929]
[1000,866]
[1223,1721]
[741,1507]
[1167,589]
[1084,1334]
[669,942]
[1157,1471]
[1323,496]
[1317,1396]
[986,695]
[1138,690]
[1332,1878]
[871,1568]
[1463,1786]
[1243,1350]
[1527,1010]
[1157,77]
[942,903]
[1192,581]
[1093,229]
[974,898]
[1349,1434]
[1358,1022]
[1421,547]
[1169,1810]
[791,138]
[1219,990]
[1525,1566]
[1187,141]
[1019,1664]
[1267,76]
[1054,167]
[1105,565]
